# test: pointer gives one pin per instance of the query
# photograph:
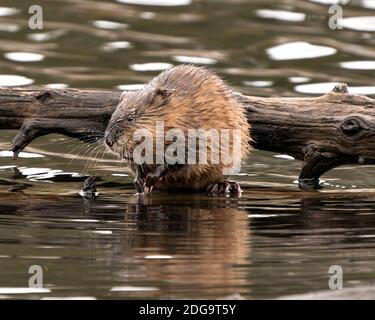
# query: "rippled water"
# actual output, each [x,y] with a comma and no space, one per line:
[273,241]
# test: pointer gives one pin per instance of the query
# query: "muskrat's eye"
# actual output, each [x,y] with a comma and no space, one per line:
[130,118]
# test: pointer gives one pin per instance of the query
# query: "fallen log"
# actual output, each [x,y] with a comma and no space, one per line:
[335,129]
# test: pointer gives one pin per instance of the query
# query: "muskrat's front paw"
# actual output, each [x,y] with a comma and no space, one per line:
[224,188]
[235,188]
[138,184]
[150,182]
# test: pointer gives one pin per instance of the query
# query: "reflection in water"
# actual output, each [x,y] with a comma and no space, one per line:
[21,155]
[128,242]
[358,65]
[157,2]
[194,60]
[14,80]
[214,235]
[299,50]
[115,45]
[24,56]
[267,244]
[281,15]
[5,11]
[360,23]
[154,66]
[103,24]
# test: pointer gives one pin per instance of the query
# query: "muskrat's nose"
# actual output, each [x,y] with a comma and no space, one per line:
[110,141]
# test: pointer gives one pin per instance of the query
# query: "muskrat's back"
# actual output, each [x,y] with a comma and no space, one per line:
[184,98]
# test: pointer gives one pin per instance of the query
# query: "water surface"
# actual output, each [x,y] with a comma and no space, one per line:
[274,240]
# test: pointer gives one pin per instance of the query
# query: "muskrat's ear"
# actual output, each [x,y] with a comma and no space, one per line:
[164,92]
[161,95]
[123,94]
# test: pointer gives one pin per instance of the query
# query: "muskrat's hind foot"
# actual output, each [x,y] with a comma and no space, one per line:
[224,188]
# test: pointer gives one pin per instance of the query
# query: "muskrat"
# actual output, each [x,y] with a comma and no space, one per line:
[184,97]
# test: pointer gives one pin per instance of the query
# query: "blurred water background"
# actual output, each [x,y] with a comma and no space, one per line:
[273,241]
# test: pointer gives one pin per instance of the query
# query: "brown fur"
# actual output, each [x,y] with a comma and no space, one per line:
[183,97]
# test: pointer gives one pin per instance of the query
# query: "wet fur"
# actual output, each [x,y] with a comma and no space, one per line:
[183,97]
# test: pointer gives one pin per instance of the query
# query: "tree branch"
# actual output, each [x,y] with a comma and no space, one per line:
[324,132]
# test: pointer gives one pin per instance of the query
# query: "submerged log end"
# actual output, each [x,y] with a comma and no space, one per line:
[316,162]
[29,131]
[351,141]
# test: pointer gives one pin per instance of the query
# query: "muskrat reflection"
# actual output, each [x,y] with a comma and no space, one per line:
[208,242]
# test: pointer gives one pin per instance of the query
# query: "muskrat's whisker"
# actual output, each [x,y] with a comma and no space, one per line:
[103,152]
[95,138]
[75,153]
[97,155]
[91,158]
[83,150]
[87,155]
[94,154]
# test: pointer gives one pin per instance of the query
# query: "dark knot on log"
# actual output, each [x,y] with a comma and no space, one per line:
[44,96]
[352,126]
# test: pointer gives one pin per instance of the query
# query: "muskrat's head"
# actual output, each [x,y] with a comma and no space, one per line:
[136,111]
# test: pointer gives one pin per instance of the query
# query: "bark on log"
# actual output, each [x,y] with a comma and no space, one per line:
[324,132]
